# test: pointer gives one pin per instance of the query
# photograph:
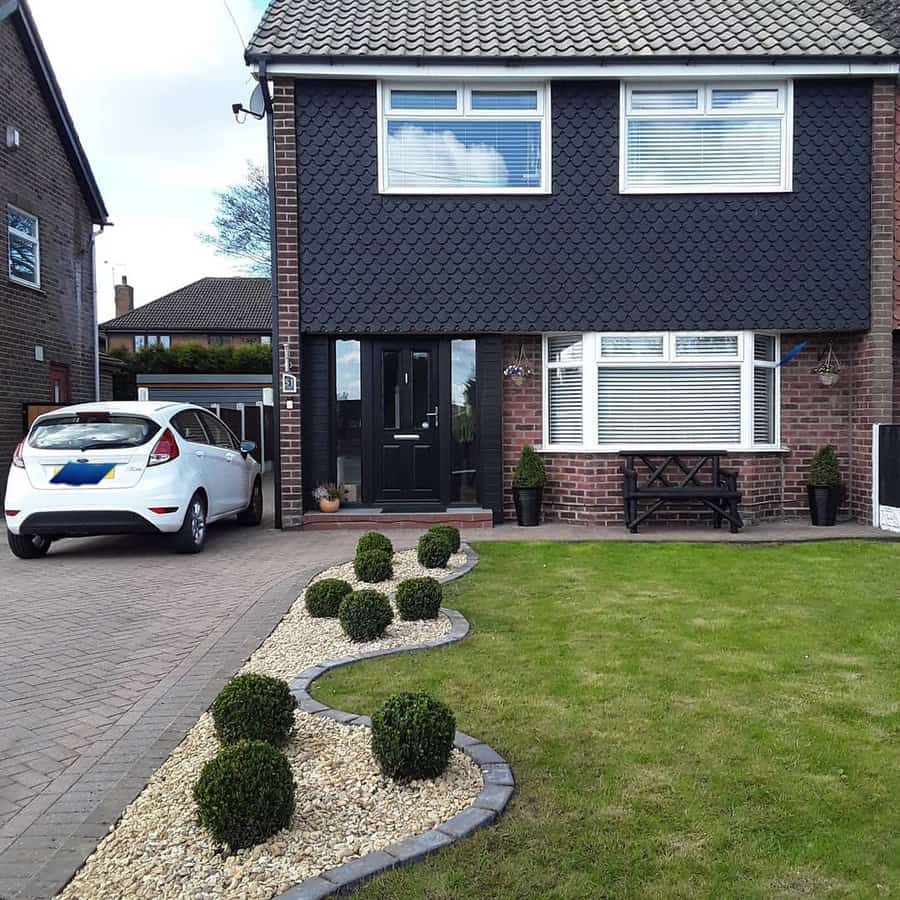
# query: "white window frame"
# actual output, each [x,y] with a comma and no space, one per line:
[464,111]
[34,239]
[592,362]
[785,112]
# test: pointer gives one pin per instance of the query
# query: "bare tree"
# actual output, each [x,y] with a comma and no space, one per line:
[242,227]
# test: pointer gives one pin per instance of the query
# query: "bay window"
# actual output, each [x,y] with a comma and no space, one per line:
[679,390]
[463,138]
[705,137]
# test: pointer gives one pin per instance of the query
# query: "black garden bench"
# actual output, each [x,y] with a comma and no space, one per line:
[667,477]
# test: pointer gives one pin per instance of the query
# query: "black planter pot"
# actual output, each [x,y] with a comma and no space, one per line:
[824,503]
[528,505]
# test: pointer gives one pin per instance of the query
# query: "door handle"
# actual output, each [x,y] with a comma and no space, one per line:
[435,414]
[200,453]
[229,456]
[406,437]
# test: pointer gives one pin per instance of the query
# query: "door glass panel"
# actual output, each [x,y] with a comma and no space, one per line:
[348,419]
[463,444]
[390,369]
[421,390]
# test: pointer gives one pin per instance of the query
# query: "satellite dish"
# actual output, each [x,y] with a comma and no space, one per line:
[257,102]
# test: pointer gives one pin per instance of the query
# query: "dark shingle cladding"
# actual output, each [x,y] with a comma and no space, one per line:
[547,29]
[585,257]
[234,304]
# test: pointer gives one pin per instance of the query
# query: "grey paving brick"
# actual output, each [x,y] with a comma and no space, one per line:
[467,821]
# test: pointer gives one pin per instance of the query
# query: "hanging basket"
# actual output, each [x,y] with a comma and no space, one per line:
[518,370]
[829,379]
[828,367]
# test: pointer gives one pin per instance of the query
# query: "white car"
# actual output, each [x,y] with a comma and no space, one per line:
[124,468]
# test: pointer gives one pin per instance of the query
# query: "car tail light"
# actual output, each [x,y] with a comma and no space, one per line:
[164,450]
[12,512]
[18,462]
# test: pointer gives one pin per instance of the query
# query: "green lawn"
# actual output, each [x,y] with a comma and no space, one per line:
[682,720]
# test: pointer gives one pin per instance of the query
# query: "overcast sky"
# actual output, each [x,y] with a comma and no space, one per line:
[150,86]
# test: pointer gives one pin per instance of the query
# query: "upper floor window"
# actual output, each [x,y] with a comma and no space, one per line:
[24,247]
[705,137]
[152,340]
[464,139]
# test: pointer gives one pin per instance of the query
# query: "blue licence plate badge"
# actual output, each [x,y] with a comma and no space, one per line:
[81,473]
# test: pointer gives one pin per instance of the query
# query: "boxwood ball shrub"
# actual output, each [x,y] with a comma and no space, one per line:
[365,614]
[374,540]
[419,598]
[323,598]
[450,533]
[412,736]
[254,707]
[373,566]
[433,551]
[245,794]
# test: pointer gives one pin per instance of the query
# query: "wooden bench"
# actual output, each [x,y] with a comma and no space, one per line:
[667,477]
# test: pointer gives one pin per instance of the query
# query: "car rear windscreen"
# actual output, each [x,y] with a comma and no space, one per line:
[91,431]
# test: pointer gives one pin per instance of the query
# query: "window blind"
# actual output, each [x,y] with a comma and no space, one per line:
[565,397]
[763,405]
[656,404]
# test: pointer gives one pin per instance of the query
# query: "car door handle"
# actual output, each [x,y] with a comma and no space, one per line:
[200,453]
[229,456]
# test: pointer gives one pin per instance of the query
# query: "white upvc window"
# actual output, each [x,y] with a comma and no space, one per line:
[705,137]
[152,340]
[678,390]
[463,138]
[23,247]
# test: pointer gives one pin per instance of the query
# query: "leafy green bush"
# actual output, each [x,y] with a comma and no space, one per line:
[247,359]
[374,540]
[419,598]
[450,533]
[412,736]
[254,707]
[323,598]
[530,471]
[373,566]
[365,614]
[433,551]
[824,470]
[245,794]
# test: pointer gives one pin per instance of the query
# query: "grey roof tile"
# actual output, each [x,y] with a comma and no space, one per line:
[211,304]
[509,29]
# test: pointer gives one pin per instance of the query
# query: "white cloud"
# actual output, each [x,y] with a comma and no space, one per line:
[150,86]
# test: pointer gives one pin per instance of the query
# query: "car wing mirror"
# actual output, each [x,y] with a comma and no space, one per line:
[247,447]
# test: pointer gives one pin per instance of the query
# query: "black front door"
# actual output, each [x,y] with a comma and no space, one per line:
[407,422]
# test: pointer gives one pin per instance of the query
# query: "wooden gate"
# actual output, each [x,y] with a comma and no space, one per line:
[886,477]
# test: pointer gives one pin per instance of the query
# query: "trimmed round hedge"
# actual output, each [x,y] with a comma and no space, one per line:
[373,566]
[433,551]
[412,736]
[254,707]
[365,614]
[374,540]
[419,598]
[450,533]
[245,794]
[323,599]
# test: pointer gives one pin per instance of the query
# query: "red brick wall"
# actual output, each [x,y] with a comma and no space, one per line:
[897,207]
[288,296]
[59,317]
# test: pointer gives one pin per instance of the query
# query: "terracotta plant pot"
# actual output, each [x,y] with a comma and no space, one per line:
[329,506]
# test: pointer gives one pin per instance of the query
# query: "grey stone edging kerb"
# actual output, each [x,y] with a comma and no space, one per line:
[496,773]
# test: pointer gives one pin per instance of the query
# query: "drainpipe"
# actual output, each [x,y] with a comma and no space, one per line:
[276,345]
[93,260]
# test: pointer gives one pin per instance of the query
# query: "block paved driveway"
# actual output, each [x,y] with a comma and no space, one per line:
[110,648]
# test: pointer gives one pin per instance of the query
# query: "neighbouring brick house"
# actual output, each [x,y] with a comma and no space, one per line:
[651,214]
[209,311]
[50,204]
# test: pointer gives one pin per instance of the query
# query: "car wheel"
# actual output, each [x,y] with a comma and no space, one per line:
[28,546]
[191,537]
[253,514]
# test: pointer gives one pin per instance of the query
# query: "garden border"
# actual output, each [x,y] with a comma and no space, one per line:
[499,784]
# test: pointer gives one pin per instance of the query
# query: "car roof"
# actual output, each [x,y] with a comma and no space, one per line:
[127,407]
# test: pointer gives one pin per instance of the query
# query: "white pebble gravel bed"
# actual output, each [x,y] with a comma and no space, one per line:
[345,807]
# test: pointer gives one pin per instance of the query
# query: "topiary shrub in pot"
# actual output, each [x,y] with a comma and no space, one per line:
[824,487]
[450,533]
[373,566]
[374,540]
[245,794]
[254,707]
[419,598]
[433,551]
[528,482]
[323,598]
[412,736]
[365,614]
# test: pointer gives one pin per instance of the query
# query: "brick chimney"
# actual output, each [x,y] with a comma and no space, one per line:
[124,298]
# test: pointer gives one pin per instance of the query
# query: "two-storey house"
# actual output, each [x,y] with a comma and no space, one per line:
[667,214]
